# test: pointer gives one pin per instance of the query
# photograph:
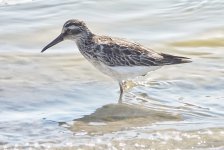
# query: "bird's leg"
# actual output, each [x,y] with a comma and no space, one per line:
[121,84]
[125,86]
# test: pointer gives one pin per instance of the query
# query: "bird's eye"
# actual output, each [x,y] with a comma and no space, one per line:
[69,31]
[73,31]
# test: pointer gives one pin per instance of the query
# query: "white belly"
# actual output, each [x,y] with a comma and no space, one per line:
[124,72]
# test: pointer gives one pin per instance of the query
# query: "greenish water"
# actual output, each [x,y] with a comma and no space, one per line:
[57,100]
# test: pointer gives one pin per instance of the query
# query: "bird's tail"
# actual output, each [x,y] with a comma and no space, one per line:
[171,59]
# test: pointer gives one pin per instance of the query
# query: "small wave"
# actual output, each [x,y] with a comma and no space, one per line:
[13,2]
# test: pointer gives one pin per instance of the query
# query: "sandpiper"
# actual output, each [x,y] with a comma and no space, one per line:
[118,58]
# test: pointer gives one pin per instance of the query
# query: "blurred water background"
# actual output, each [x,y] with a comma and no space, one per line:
[58,100]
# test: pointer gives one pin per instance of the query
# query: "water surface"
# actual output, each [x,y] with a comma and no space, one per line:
[58,100]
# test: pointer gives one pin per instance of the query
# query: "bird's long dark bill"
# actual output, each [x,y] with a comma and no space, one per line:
[54,42]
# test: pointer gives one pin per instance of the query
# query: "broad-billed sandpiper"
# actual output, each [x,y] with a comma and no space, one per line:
[118,58]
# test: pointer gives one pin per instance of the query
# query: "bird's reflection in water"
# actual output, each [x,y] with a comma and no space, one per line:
[117,117]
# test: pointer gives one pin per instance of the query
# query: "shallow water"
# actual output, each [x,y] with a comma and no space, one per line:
[57,100]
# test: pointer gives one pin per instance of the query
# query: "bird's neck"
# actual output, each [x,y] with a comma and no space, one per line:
[85,44]
[85,40]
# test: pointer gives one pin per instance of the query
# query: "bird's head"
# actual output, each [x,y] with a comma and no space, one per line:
[72,30]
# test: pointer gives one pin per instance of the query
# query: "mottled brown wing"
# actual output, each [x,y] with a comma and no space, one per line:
[118,52]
